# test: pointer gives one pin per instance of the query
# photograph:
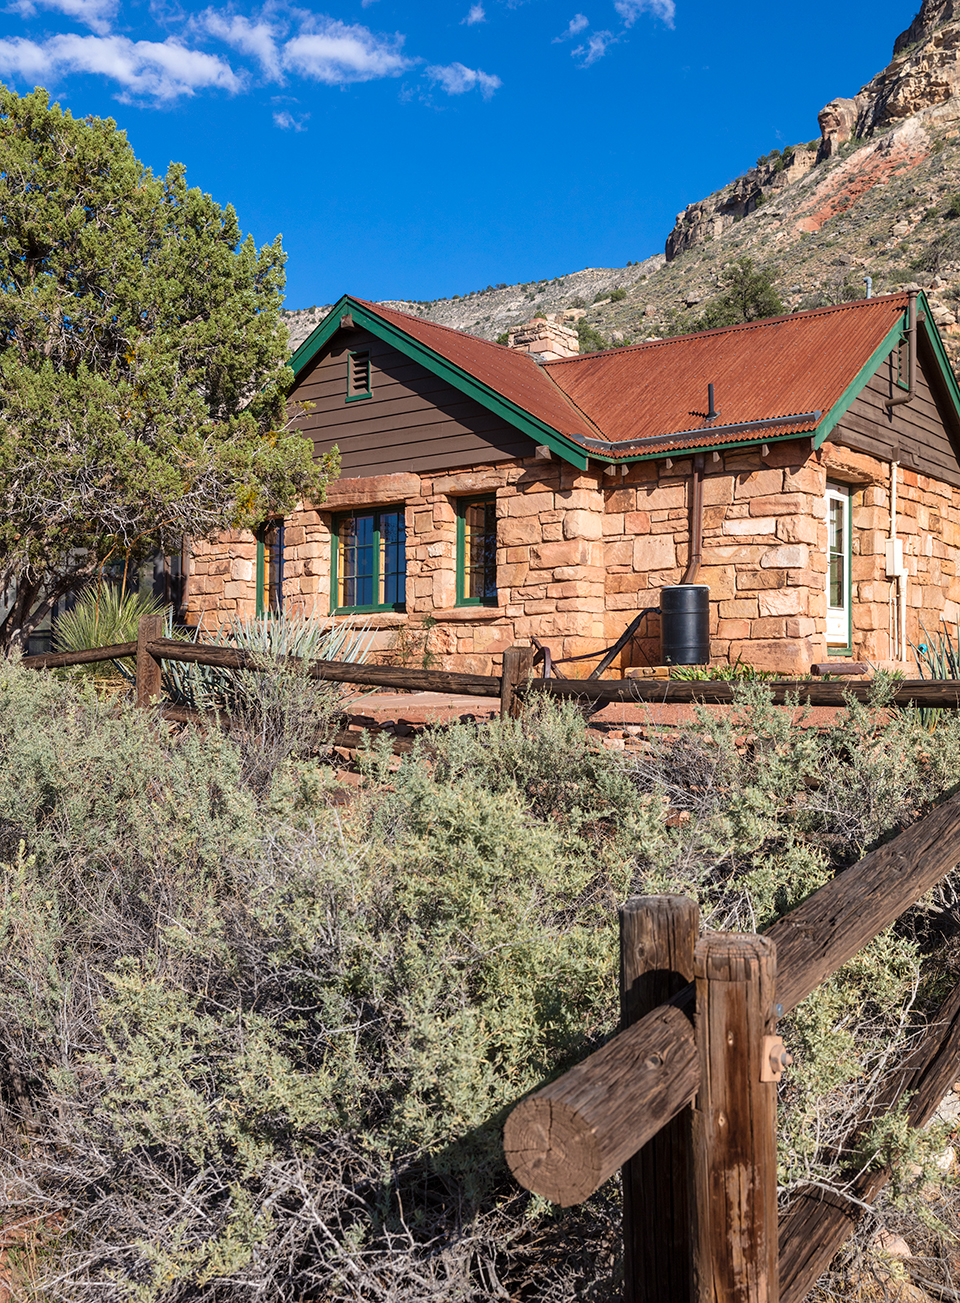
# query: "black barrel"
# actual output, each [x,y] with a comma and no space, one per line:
[685,624]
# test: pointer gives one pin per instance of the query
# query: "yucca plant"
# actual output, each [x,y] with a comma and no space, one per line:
[104,615]
[937,658]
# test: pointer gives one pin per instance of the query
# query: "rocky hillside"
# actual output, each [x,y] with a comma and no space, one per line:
[876,194]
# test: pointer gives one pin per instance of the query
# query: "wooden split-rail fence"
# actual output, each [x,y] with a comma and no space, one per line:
[683,1098]
[510,687]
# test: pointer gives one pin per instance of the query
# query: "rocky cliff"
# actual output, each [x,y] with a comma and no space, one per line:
[874,195]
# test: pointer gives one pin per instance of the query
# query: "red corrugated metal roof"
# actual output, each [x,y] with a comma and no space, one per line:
[513,374]
[657,392]
[779,367]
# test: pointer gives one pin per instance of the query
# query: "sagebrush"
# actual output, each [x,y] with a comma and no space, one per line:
[257,1042]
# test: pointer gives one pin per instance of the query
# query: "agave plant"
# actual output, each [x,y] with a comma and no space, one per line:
[269,638]
[939,658]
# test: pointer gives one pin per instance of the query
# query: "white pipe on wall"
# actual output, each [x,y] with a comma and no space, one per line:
[896,570]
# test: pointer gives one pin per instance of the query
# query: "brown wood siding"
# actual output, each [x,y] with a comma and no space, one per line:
[414,422]
[922,435]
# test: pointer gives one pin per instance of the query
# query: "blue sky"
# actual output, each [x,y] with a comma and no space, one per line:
[419,151]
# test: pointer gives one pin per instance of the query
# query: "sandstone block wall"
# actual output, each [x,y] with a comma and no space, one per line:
[928,514]
[579,554]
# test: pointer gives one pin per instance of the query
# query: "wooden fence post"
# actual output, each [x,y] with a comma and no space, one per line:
[517,668]
[657,939]
[149,679]
[734,1121]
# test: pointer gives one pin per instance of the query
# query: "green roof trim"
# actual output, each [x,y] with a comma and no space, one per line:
[940,353]
[530,425]
[892,340]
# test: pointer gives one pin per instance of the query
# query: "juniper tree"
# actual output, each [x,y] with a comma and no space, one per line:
[749,295]
[142,361]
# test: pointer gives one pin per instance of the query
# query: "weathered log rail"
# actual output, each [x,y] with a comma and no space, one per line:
[692,1119]
[515,682]
[684,1097]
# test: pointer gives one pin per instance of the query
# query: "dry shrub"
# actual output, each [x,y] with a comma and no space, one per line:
[254,1045]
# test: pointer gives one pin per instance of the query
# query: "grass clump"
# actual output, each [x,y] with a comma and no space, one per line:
[254,1040]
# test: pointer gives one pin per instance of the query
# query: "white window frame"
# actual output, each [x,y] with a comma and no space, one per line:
[839,618]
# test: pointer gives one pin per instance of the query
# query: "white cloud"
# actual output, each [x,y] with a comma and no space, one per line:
[258,39]
[95,14]
[144,68]
[20,58]
[595,48]
[338,52]
[476,15]
[630,10]
[287,122]
[456,79]
[577,23]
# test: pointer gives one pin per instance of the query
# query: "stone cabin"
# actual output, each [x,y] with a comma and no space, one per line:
[806,468]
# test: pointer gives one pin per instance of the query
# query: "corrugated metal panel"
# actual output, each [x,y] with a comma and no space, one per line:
[766,369]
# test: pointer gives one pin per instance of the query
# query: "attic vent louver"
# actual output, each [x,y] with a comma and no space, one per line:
[358,375]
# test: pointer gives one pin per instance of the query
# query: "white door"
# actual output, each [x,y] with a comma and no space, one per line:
[838,569]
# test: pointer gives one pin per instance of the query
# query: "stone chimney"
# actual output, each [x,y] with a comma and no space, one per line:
[545,338]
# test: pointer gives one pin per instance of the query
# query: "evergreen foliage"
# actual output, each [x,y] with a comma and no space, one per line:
[142,360]
[591,341]
[749,296]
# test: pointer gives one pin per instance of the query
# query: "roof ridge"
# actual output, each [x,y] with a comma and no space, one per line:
[438,325]
[826,309]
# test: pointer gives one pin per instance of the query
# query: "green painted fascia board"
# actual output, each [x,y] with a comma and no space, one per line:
[853,389]
[890,342]
[508,411]
[315,341]
[940,353]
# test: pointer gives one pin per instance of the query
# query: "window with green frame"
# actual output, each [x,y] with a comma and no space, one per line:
[270,568]
[476,552]
[369,561]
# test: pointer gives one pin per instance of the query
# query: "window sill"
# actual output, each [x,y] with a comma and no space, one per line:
[468,614]
[393,619]
[372,619]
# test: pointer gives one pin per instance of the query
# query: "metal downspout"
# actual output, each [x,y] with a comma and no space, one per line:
[896,399]
[696,518]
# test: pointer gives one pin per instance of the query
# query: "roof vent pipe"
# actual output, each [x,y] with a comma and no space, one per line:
[712,412]
[868,281]
[896,399]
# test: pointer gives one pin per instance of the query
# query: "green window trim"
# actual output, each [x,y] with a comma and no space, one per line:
[476,573]
[270,545]
[359,376]
[374,575]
